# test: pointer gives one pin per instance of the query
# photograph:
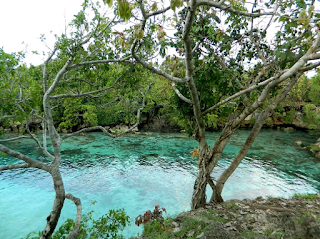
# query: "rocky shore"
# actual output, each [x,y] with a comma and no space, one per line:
[298,217]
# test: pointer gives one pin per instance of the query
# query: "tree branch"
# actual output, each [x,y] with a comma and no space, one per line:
[143,104]
[31,162]
[44,149]
[88,130]
[82,94]
[98,62]
[15,138]
[14,166]
[7,117]
[254,132]
[308,68]
[182,97]
[76,230]
[158,12]
[249,89]
[226,8]
[143,62]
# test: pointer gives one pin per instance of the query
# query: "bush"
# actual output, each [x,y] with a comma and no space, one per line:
[107,226]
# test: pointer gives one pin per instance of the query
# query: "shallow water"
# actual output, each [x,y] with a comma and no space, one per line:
[137,172]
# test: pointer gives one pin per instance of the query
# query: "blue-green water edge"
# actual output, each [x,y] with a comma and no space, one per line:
[136,172]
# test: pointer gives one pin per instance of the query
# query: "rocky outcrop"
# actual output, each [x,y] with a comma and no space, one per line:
[121,128]
[298,121]
[261,218]
[285,119]
[16,126]
[315,149]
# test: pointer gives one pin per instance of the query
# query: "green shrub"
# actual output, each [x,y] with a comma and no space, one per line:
[107,226]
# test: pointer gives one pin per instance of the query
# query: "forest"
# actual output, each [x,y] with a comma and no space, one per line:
[179,66]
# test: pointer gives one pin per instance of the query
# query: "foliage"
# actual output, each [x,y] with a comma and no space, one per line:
[312,109]
[290,115]
[107,226]
[76,113]
[149,216]
[312,116]
[20,90]
[314,93]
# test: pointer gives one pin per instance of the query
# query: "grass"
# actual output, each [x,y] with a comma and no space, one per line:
[156,230]
[305,196]
[211,215]
[231,206]
[249,234]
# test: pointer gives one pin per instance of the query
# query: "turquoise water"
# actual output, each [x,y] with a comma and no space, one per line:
[137,172]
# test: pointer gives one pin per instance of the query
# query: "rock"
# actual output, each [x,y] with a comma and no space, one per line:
[122,127]
[298,143]
[135,129]
[191,233]
[289,129]
[15,126]
[228,224]
[7,130]
[315,149]
[176,229]
[175,224]
[35,121]
[200,236]
[298,121]
[218,233]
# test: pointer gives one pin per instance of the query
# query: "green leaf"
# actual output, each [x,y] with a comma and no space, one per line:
[109,2]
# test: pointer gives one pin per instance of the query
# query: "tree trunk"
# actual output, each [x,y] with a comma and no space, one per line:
[53,218]
[216,196]
[199,190]
[208,160]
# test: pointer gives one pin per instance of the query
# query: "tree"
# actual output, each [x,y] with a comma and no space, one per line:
[256,50]
[71,71]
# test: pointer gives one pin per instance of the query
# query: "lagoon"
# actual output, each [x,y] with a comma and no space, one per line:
[137,172]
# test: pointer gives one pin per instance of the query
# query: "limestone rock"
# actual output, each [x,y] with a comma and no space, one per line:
[16,126]
[315,149]
[298,121]
[191,233]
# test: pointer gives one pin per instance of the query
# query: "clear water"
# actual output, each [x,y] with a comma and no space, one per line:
[137,172]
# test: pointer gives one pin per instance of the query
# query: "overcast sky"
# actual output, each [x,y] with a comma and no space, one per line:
[24,21]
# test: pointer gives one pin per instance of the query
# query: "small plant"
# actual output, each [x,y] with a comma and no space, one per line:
[149,216]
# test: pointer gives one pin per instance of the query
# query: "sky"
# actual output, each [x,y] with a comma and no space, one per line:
[24,21]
